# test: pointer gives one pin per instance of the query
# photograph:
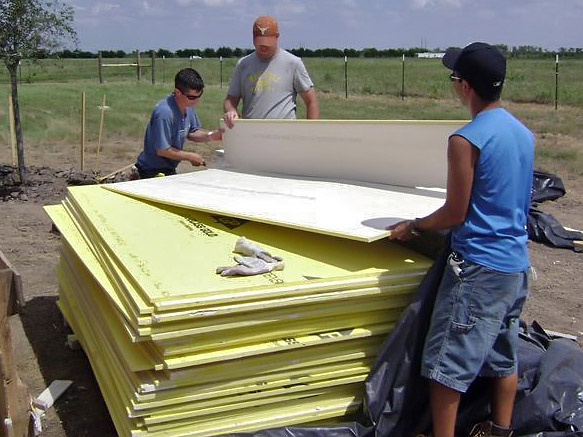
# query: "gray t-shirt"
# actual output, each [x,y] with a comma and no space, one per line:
[269,88]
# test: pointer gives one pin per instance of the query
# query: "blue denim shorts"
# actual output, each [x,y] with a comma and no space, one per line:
[474,325]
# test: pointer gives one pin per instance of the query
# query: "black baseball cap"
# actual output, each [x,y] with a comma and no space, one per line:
[482,65]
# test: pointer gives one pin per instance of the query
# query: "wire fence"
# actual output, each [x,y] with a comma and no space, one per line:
[542,81]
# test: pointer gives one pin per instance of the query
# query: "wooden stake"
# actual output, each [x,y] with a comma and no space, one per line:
[113,173]
[82,130]
[12,131]
[100,129]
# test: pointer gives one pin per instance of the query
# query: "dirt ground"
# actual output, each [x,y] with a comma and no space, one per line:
[39,334]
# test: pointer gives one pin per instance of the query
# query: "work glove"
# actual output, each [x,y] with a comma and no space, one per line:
[250,265]
[247,248]
[255,262]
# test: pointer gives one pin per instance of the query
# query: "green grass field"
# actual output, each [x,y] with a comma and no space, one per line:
[50,97]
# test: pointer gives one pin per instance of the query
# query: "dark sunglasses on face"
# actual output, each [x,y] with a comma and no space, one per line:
[190,97]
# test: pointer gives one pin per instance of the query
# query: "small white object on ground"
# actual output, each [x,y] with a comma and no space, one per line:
[48,397]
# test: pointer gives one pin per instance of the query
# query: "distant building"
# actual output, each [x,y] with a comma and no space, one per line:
[431,55]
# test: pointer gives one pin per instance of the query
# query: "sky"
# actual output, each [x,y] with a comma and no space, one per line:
[175,24]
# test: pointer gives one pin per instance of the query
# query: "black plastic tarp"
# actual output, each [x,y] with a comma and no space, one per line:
[543,227]
[549,401]
[546,186]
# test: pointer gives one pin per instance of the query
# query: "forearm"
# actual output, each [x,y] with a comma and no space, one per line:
[229,106]
[313,111]
[204,136]
[175,154]
[443,218]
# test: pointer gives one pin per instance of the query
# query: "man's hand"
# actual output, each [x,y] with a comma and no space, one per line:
[195,159]
[230,117]
[402,231]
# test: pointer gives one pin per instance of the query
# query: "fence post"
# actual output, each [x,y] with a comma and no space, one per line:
[346,75]
[82,130]
[221,70]
[153,67]
[556,81]
[403,79]
[100,66]
[163,71]
[138,72]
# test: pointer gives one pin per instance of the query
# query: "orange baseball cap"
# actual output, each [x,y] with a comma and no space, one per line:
[265,26]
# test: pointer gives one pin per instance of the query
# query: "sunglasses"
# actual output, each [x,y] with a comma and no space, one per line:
[191,98]
[454,78]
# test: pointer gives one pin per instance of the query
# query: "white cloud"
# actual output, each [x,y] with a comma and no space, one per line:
[218,3]
[421,4]
[103,8]
[286,8]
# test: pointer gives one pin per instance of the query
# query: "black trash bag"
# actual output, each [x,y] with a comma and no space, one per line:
[546,186]
[555,401]
[544,228]
[397,396]
[549,400]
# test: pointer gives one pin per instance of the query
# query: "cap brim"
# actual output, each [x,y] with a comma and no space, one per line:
[450,58]
[265,40]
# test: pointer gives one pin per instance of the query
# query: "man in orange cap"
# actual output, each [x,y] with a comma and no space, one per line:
[269,80]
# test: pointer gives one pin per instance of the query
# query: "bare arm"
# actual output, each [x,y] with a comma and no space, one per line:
[461,158]
[311,101]
[181,155]
[230,106]
[203,136]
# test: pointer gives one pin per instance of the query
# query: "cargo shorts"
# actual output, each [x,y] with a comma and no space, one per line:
[474,325]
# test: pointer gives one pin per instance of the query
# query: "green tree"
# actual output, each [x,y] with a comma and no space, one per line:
[26,28]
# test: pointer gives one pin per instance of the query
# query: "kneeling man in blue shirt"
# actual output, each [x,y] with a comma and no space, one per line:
[174,120]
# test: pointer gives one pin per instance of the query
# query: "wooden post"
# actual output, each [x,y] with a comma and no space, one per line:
[138,70]
[221,74]
[100,66]
[82,130]
[556,82]
[403,80]
[346,75]
[16,301]
[15,417]
[100,129]
[153,67]
[12,131]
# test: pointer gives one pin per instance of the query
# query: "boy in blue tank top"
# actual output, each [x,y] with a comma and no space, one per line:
[474,326]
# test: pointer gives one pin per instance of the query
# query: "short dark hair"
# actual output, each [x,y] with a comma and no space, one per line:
[188,79]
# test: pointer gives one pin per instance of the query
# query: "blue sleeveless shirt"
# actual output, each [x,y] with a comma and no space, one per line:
[493,233]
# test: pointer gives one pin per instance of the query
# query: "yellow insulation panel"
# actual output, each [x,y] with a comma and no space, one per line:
[174,252]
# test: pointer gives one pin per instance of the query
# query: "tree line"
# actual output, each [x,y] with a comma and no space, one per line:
[531,52]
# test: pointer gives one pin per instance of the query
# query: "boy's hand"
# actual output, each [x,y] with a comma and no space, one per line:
[196,160]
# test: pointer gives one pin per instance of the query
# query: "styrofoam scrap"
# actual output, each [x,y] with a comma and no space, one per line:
[35,415]
[73,342]
[48,397]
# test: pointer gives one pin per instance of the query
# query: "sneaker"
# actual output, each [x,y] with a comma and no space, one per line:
[134,173]
[489,429]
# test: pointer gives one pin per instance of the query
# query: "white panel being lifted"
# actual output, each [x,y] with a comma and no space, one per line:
[410,153]
[353,211]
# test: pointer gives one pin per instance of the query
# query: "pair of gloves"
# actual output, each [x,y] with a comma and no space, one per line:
[253,260]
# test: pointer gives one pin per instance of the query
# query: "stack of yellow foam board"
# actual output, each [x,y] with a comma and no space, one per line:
[179,350]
